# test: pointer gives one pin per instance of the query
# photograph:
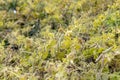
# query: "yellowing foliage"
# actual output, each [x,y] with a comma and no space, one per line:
[59,39]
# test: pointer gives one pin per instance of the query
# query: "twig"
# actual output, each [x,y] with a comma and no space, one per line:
[103,53]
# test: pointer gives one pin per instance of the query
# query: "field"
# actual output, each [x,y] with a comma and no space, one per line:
[59,40]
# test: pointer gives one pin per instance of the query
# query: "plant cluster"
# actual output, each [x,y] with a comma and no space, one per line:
[59,39]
